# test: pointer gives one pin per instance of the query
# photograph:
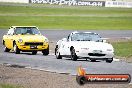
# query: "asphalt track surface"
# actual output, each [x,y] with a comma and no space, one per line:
[65,65]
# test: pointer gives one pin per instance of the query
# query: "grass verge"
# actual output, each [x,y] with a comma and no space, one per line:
[8,86]
[68,22]
[123,49]
[65,17]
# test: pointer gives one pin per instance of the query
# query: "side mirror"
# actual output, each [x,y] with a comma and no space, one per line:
[64,39]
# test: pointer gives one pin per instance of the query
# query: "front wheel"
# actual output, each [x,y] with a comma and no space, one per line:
[109,60]
[34,52]
[16,49]
[73,55]
[6,49]
[46,51]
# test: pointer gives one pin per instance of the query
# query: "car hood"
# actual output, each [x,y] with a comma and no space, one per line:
[32,38]
[92,45]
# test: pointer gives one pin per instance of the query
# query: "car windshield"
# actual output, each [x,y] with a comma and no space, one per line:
[86,37]
[27,30]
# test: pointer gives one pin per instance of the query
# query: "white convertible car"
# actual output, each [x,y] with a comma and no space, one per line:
[84,45]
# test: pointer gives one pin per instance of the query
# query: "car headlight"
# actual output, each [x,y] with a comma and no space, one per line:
[20,40]
[109,49]
[46,40]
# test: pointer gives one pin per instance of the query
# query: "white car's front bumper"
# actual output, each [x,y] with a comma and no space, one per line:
[91,54]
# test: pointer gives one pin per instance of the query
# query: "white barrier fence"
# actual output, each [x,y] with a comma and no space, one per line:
[15,1]
[118,4]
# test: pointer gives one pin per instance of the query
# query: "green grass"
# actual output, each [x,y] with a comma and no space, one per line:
[67,22]
[123,49]
[66,17]
[8,86]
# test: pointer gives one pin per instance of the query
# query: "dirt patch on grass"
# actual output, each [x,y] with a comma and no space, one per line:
[113,40]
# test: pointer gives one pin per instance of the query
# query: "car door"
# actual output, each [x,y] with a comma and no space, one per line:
[8,38]
[64,47]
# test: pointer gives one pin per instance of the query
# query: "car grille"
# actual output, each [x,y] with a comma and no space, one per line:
[95,54]
[33,43]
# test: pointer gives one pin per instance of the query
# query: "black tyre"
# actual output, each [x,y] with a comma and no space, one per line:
[73,55]
[46,51]
[56,48]
[6,49]
[3,42]
[34,52]
[16,49]
[109,60]
[93,60]
[58,56]
[81,80]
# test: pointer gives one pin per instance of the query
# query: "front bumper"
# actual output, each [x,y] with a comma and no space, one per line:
[37,47]
[99,56]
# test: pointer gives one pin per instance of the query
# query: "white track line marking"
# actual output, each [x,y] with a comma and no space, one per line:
[114,59]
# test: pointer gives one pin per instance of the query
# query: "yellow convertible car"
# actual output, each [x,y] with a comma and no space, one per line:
[25,39]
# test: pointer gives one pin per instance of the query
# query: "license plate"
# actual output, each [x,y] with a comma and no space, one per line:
[33,47]
[97,51]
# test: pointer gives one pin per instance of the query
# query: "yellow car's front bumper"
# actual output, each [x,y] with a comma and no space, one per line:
[33,47]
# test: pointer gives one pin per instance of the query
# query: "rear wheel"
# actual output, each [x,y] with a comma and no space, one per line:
[34,52]
[56,48]
[46,51]
[73,55]
[16,49]
[57,53]
[109,60]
